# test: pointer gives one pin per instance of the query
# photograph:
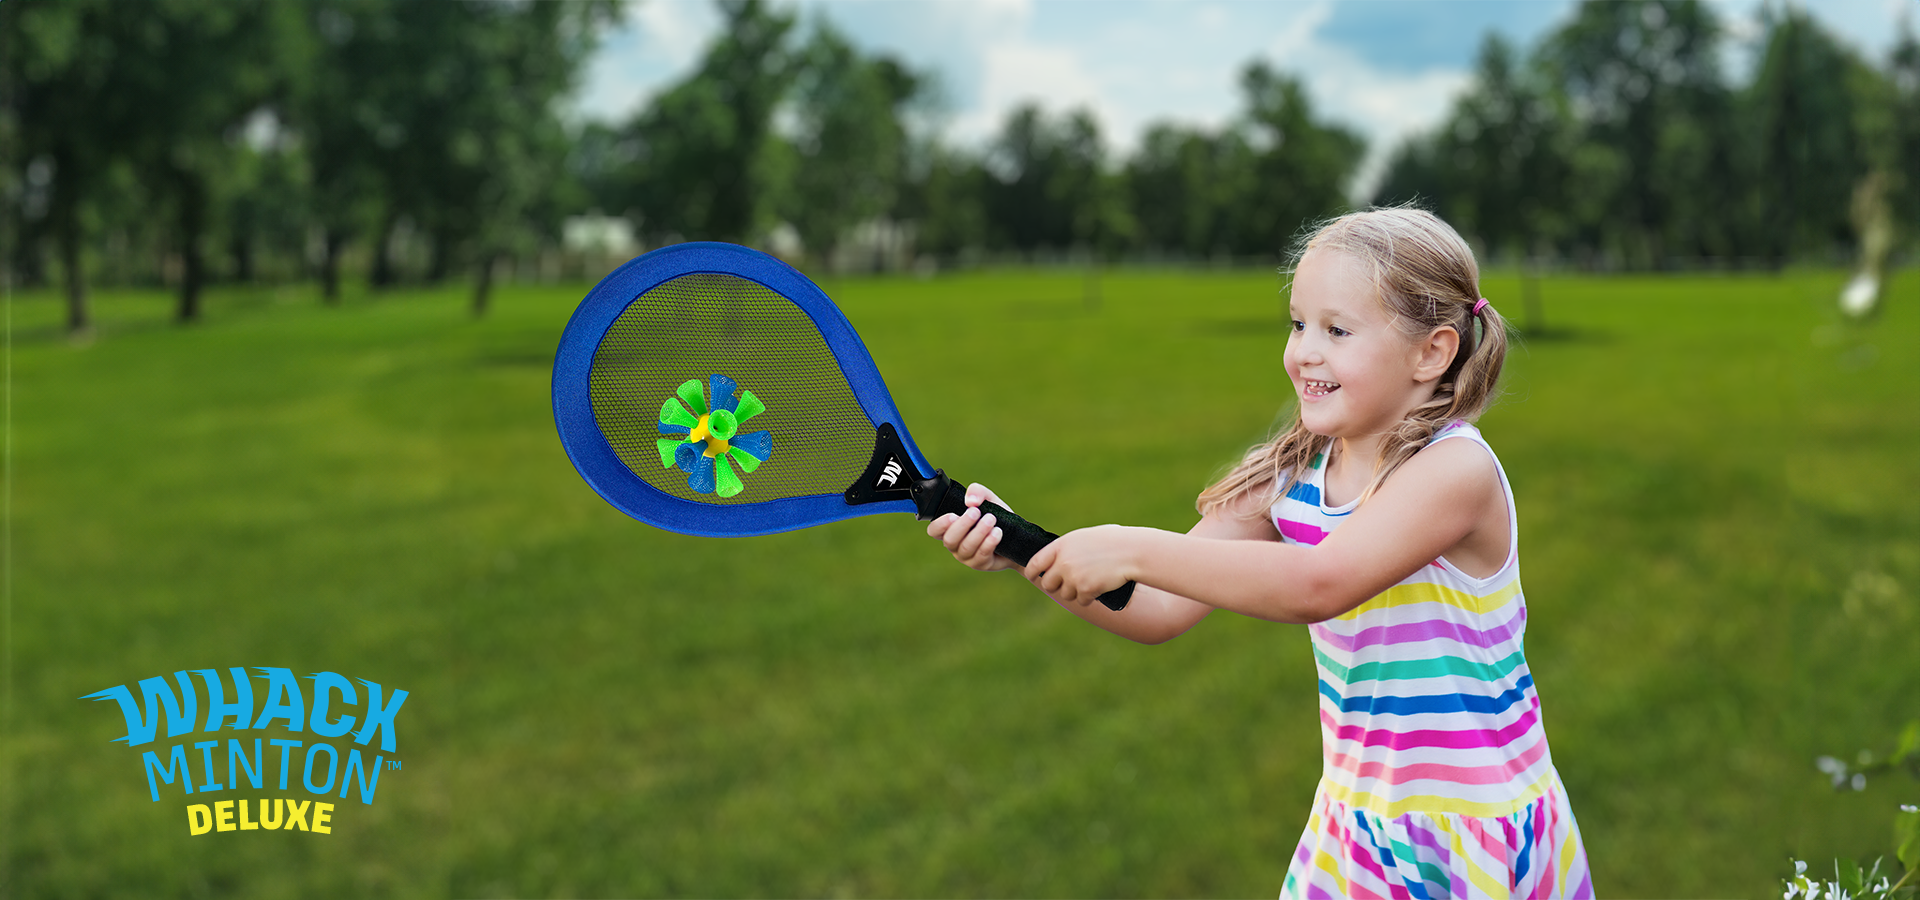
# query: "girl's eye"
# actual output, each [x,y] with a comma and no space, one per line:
[1337,331]
[1299,325]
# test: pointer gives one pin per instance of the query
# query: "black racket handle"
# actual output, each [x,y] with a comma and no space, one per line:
[1019,538]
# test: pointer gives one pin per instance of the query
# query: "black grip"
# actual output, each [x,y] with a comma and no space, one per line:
[1019,538]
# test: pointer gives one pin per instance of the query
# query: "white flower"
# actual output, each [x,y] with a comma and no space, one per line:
[1859,781]
[1799,867]
[1908,807]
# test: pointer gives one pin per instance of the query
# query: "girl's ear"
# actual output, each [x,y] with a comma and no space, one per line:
[1434,355]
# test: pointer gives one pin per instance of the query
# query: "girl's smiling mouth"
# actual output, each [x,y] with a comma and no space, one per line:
[1319,388]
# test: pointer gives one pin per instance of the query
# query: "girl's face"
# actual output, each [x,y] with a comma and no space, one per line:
[1354,372]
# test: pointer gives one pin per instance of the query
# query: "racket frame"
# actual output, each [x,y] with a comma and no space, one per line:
[614,481]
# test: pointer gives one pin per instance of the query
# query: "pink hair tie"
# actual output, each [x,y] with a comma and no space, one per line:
[1477,307]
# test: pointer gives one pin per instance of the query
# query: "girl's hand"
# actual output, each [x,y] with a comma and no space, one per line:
[972,537]
[1084,564]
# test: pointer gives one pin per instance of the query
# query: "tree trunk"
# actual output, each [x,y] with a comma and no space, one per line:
[193,226]
[79,317]
[441,258]
[66,211]
[330,268]
[484,289]
[241,247]
[383,274]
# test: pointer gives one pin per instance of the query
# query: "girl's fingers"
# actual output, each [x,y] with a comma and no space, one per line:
[977,493]
[957,530]
[976,536]
[988,531]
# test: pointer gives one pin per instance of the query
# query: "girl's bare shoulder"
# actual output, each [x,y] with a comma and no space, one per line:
[1456,469]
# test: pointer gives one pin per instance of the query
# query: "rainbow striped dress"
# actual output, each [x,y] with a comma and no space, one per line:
[1437,781]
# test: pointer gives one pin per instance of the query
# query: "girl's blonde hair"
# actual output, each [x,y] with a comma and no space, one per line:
[1425,277]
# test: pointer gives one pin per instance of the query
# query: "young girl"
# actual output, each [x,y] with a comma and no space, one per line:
[1383,521]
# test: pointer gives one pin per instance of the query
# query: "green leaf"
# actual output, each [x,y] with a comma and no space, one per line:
[695,393]
[1909,742]
[749,407]
[1847,872]
[672,413]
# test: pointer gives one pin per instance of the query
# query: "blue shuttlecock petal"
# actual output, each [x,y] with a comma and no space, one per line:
[687,456]
[721,388]
[702,479]
[671,428]
[757,443]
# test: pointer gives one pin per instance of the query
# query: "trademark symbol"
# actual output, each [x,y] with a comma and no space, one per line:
[393,764]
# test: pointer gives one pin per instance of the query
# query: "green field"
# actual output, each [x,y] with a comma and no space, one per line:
[1717,482]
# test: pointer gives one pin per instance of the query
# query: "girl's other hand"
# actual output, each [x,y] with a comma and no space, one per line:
[1084,564]
[973,536]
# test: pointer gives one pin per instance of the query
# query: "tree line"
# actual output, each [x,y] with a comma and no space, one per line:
[1620,141]
[199,140]
[205,139]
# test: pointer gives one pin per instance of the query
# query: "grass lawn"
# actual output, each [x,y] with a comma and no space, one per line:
[1716,479]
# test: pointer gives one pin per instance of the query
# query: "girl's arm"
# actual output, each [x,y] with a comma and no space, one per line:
[1153,616]
[1435,501]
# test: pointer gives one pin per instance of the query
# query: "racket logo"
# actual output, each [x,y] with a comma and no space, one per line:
[890,474]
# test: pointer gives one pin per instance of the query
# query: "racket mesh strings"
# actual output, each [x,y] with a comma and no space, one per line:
[696,326]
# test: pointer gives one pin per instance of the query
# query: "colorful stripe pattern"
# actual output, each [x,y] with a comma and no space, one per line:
[1437,779]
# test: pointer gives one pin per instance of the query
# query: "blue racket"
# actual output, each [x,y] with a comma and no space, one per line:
[711,389]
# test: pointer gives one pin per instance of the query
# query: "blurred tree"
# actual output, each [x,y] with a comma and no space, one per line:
[1182,183]
[184,76]
[58,70]
[1806,104]
[504,146]
[1049,186]
[347,122]
[1497,168]
[265,199]
[702,162]
[944,195]
[1301,167]
[1904,82]
[851,139]
[453,106]
[1653,165]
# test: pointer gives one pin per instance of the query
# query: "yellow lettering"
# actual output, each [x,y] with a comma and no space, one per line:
[247,824]
[270,815]
[199,819]
[297,814]
[321,812]
[223,815]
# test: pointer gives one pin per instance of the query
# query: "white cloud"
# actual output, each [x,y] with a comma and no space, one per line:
[660,42]
[1020,71]
[1384,106]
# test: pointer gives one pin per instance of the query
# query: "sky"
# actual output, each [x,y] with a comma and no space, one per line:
[1385,68]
